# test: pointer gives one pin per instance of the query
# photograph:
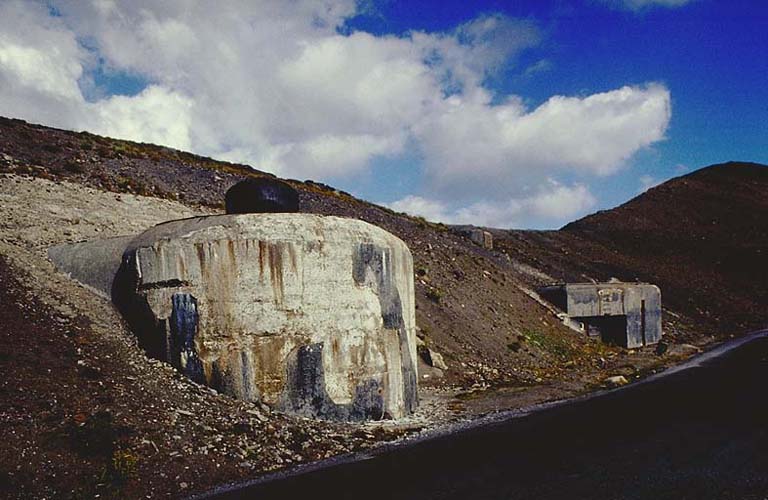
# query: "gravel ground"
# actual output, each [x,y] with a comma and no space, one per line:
[86,413]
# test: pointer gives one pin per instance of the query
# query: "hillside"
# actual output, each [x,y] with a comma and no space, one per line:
[703,238]
[93,415]
[503,348]
[467,303]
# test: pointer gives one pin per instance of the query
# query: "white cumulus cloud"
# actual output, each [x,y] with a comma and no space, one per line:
[154,115]
[474,149]
[41,62]
[552,204]
[278,85]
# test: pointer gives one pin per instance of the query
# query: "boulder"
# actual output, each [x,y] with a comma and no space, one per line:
[437,360]
[261,195]
[616,381]
[684,350]
[482,238]
[312,315]
[432,358]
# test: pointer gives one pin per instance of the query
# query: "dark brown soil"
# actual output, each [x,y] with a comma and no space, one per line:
[48,439]
[83,415]
[78,420]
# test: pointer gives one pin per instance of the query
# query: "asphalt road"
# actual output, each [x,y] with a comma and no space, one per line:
[700,433]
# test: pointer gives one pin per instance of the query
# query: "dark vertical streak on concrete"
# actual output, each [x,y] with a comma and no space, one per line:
[292,253]
[371,259]
[262,256]
[184,320]
[232,254]
[218,380]
[247,374]
[200,254]
[275,251]
[305,392]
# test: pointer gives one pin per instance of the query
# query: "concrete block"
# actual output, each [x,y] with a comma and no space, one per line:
[628,314]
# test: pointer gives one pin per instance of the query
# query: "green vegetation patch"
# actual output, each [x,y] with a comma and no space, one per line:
[552,344]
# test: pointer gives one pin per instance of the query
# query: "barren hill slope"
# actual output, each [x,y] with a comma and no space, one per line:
[83,379]
[703,238]
[468,306]
[91,414]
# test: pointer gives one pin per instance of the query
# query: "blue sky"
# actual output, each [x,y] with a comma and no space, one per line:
[513,114]
[712,55]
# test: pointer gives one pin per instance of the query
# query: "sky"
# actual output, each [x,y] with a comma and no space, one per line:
[517,114]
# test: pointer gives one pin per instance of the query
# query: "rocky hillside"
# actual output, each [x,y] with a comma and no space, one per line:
[469,306]
[81,379]
[703,238]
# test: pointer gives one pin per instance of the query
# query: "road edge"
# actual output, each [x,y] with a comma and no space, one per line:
[484,421]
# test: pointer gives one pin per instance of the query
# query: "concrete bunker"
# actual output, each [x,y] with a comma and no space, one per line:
[625,314]
[313,315]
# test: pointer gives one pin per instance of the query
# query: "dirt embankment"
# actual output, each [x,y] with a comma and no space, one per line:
[470,306]
[89,413]
[85,412]
[83,380]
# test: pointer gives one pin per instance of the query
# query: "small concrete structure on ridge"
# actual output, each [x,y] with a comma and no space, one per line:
[627,314]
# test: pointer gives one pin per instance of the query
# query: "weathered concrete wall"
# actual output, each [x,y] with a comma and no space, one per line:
[312,314]
[643,304]
[587,299]
[597,303]
[92,263]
